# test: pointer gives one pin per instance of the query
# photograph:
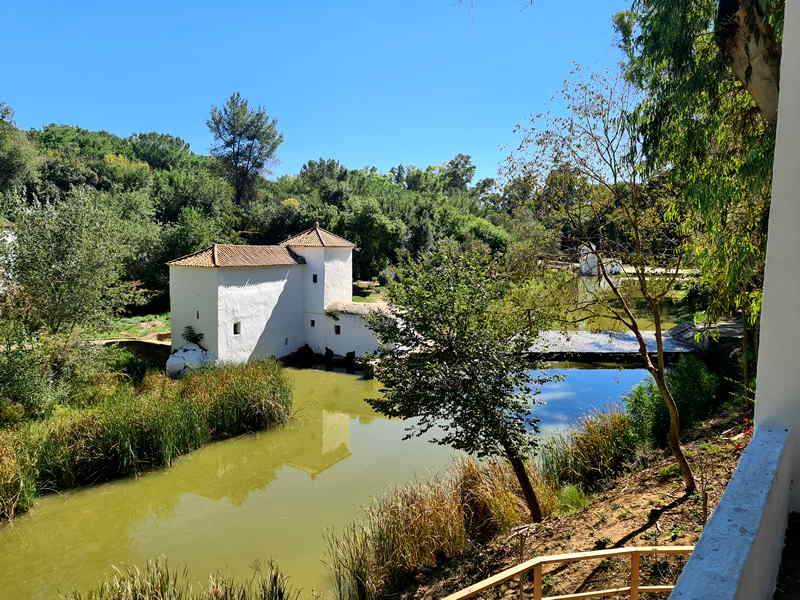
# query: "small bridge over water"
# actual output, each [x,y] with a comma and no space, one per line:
[622,346]
[603,346]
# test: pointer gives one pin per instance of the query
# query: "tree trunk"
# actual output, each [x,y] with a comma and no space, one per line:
[751,50]
[673,435]
[525,483]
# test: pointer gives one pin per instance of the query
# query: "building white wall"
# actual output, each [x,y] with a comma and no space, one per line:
[314,293]
[267,302]
[193,291]
[338,275]
[354,336]
[778,383]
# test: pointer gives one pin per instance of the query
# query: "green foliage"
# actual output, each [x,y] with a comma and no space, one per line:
[453,359]
[160,150]
[165,202]
[246,142]
[157,581]
[695,390]
[17,157]
[66,265]
[571,499]
[589,455]
[703,128]
[125,430]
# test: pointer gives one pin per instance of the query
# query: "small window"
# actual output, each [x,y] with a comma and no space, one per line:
[237,328]
[314,278]
[197,314]
[337,329]
[285,341]
[313,323]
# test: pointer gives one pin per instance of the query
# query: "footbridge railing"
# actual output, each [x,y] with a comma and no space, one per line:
[534,568]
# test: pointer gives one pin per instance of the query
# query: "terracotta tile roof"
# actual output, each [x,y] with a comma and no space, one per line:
[232,255]
[318,237]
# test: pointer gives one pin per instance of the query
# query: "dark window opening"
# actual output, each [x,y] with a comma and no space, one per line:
[314,278]
[197,314]
[312,323]
[285,341]
[337,329]
[237,328]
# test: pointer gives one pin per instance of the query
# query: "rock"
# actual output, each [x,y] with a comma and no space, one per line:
[187,358]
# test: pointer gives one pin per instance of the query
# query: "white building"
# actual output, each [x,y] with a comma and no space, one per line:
[257,301]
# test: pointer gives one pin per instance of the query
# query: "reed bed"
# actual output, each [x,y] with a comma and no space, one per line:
[591,454]
[135,429]
[157,581]
[421,524]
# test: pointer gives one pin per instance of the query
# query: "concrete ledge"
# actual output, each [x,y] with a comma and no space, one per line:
[738,555]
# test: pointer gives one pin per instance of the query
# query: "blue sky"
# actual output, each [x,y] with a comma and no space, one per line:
[366,82]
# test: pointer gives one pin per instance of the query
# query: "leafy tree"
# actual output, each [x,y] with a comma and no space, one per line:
[455,364]
[314,172]
[6,113]
[66,265]
[458,172]
[160,150]
[246,142]
[707,126]
[633,218]
[17,157]
[376,235]
[91,145]
[193,188]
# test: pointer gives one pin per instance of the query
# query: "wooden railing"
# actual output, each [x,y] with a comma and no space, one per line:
[518,572]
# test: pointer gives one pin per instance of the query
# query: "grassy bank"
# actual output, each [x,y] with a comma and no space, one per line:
[127,429]
[419,525]
[157,581]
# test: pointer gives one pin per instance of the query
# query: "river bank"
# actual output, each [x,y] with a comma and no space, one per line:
[269,495]
[644,506]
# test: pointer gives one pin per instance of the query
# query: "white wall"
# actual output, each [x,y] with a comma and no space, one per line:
[193,290]
[778,384]
[738,555]
[354,336]
[267,302]
[315,265]
[338,275]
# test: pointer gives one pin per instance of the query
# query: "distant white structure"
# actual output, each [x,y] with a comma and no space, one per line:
[588,262]
[257,301]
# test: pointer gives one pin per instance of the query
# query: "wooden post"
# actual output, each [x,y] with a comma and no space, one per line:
[537,582]
[634,575]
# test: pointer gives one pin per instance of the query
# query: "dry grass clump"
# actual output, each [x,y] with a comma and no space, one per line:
[156,581]
[16,486]
[590,454]
[421,524]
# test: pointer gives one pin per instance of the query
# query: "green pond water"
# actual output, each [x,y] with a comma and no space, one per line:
[256,497]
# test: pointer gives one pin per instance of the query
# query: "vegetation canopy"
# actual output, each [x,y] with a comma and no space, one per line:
[456,364]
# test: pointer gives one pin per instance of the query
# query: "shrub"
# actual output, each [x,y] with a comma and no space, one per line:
[134,429]
[695,390]
[17,488]
[156,581]
[589,455]
[241,398]
[571,499]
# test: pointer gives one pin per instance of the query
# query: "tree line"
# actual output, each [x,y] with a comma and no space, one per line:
[126,205]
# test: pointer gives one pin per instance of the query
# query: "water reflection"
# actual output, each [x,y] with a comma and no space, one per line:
[270,495]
